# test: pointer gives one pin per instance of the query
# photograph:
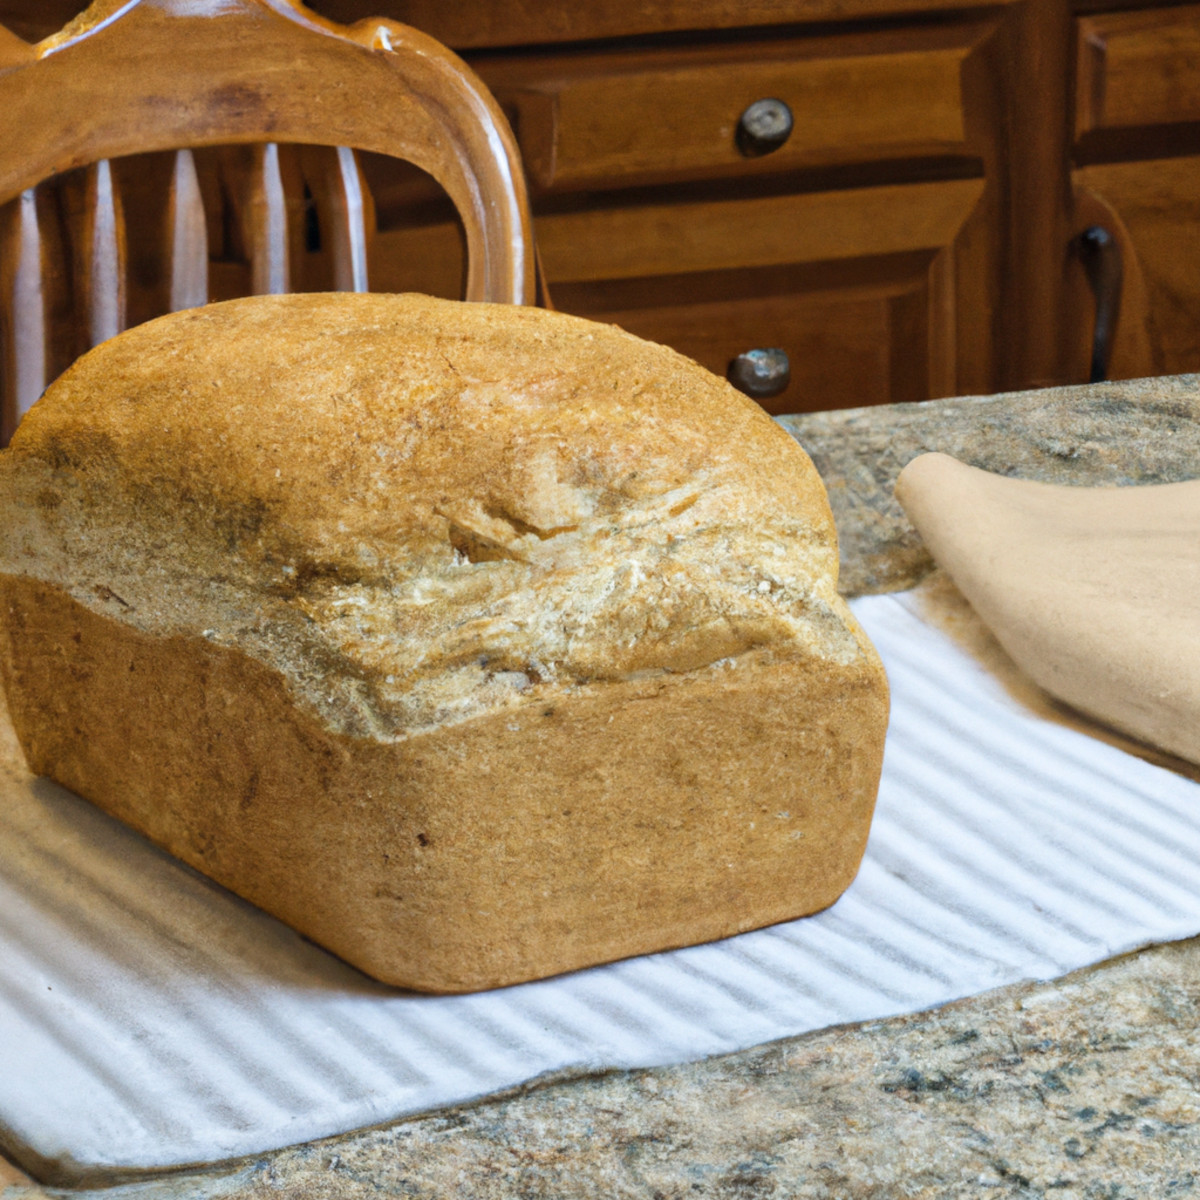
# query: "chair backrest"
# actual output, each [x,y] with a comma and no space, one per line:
[286,94]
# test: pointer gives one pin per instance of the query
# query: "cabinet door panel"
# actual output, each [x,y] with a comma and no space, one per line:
[1158,206]
[859,287]
[1138,68]
[855,333]
[648,240]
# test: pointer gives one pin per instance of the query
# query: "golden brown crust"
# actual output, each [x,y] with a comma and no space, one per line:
[632,818]
[365,397]
[477,642]
[418,510]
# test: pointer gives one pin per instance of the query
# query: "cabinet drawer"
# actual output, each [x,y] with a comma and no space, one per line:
[639,241]
[616,119]
[645,241]
[854,333]
[1138,68]
[856,286]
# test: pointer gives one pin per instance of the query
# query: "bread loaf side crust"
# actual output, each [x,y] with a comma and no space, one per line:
[630,818]
[478,643]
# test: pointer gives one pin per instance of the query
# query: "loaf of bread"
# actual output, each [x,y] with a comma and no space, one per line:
[478,643]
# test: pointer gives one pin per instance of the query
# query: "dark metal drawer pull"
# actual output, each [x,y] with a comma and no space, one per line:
[764,127]
[1101,258]
[761,374]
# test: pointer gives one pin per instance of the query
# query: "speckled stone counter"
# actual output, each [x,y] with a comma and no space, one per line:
[1086,1087]
[1143,431]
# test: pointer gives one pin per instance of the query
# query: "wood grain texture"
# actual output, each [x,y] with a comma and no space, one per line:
[187,236]
[647,241]
[757,231]
[349,202]
[101,252]
[1137,68]
[620,117]
[1033,139]
[856,286]
[271,71]
[478,23]
[267,224]
[1155,206]
[23,300]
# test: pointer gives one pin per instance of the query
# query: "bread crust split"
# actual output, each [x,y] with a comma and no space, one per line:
[477,643]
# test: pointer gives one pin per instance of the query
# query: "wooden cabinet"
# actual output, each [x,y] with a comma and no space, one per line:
[685,235]
[915,233]
[1152,208]
[1137,69]
[867,245]
[858,286]
[623,117]
[909,238]
[1137,175]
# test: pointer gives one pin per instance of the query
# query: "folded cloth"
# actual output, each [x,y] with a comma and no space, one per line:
[1094,592]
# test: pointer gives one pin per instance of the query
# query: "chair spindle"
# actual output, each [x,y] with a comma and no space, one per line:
[267,215]
[23,299]
[102,262]
[187,252]
[350,226]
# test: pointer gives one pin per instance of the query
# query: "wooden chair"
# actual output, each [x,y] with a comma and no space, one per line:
[290,97]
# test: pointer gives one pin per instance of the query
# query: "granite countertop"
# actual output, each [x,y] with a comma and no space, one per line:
[1141,431]
[1083,1087]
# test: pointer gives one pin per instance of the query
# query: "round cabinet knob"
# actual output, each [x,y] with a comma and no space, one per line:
[764,127]
[761,374]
